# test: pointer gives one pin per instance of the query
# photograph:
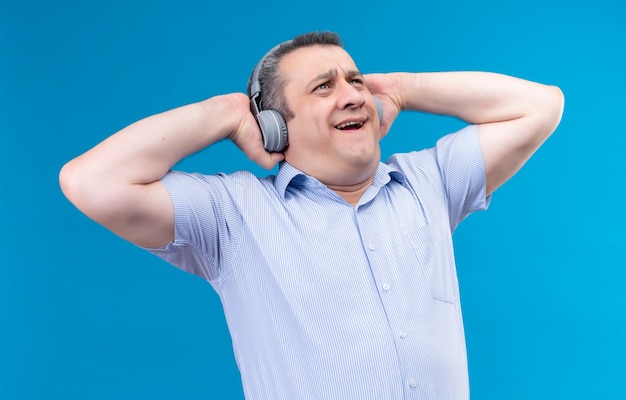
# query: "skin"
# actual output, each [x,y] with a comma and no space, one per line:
[117,183]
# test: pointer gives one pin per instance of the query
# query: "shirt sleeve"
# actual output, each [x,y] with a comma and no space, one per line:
[206,223]
[462,169]
[449,177]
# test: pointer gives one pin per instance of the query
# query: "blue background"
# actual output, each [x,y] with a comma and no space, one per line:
[85,315]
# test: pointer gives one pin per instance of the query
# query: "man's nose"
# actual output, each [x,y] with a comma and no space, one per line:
[349,96]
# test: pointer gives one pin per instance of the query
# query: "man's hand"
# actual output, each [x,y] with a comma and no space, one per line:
[247,135]
[383,86]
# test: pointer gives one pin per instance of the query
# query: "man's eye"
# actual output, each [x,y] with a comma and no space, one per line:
[324,85]
[356,81]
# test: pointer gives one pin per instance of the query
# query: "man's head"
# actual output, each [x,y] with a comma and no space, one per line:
[269,76]
[331,115]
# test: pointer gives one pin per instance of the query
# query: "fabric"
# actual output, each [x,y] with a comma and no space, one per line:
[328,301]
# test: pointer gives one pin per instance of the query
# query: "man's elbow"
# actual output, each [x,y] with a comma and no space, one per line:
[84,192]
[542,119]
[552,108]
[68,181]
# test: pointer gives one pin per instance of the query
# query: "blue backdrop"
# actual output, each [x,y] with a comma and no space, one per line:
[85,315]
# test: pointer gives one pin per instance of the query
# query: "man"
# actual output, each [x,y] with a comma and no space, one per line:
[337,275]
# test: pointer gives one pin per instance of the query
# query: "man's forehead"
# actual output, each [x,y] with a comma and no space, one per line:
[311,61]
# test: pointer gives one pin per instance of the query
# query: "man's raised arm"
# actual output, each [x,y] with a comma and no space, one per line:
[117,183]
[514,116]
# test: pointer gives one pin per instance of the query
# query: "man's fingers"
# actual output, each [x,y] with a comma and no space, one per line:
[267,160]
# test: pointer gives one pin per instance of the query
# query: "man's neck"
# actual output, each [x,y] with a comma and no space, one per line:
[352,193]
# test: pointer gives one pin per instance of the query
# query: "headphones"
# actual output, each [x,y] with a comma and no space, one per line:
[272,124]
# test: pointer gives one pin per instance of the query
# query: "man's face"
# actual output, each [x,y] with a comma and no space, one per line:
[334,134]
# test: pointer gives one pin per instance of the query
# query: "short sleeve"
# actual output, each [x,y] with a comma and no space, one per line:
[206,223]
[449,177]
[462,169]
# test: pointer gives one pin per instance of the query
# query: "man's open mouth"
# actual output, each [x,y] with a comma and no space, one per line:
[350,125]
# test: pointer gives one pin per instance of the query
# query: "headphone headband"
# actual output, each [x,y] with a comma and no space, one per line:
[255,86]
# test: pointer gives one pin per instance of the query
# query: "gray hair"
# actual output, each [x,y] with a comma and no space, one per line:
[272,84]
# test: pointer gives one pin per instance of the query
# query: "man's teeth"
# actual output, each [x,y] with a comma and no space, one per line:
[349,124]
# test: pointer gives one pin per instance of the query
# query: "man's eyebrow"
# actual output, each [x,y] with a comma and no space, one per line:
[324,76]
[353,73]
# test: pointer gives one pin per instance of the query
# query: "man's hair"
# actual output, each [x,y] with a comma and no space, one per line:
[272,84]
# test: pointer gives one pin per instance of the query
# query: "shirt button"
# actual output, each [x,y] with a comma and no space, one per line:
[413,384]
[402,335]
[372,247]
[386,287]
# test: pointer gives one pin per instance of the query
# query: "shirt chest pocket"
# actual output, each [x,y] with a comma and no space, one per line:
[435,269]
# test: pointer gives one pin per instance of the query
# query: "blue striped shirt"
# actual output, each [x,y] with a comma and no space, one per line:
[328,301]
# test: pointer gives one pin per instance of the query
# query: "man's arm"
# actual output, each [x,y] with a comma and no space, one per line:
[117,183]
[514,116]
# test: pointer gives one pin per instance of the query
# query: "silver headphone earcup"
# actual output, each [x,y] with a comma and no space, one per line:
[274,130]
[379,109]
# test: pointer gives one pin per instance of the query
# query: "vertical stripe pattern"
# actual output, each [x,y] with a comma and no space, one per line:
[328,301]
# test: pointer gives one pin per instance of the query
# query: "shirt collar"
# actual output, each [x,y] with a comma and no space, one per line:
[288,175]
